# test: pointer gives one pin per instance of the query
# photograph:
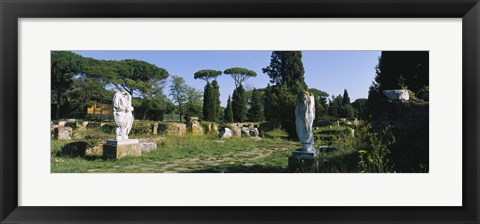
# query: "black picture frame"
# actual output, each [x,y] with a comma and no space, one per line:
[11,11]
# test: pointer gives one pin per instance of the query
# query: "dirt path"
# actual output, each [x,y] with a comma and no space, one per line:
[247,158]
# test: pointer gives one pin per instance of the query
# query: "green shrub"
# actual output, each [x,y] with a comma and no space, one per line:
[373,150]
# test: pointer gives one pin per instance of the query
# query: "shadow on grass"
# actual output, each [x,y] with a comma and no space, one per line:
[340,163]
[237,168]
[93,158]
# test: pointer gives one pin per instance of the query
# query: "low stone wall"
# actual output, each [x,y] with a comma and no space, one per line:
[172,128]
[409,123]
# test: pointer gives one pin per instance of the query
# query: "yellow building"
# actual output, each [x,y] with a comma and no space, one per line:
[97,109]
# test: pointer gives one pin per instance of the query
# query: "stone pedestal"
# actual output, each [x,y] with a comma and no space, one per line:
[121,148]
[302,161]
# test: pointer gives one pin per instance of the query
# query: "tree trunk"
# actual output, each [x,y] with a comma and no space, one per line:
[57,115]
[145,114]
[180,111]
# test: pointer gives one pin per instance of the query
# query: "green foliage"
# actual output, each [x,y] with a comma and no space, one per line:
[211,101]
[215,98]
[345,98]
[286,67]
[360,106]
[178,92]
[154,106]
[280,107]
[86,80]
[207,74]
[207,103]
[367,151]
[338,107]
[398,69]
[401,82]
[422,91]
[239,75]
[137,77]
[239,104]
[373,150]
[321,106]
[64,65]
[84,92]
[330,135]
[335,106]
[402,68]
[255,113]
[286,72]
[211,94]
[194,103]
[318,93]
[347,111]
[228,117]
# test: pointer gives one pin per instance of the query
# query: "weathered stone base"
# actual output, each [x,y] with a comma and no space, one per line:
[301,161]
[118,149]
[148,146]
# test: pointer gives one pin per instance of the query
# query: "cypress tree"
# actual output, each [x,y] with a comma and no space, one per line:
[211,95]
[286,67]
[268,103]
[286,72]
[239,104]
[346,99]
[335,106]
[255,113]
[228,111]
[215,100]
[398,70]
[207,102]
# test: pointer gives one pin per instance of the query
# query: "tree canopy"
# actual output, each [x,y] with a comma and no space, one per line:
[320,103]
[64,65]
[255,113]
[286,67]
[136,76]
[402,69]
[345,98]
[72,74]
[211,94]
[287,74]
[207,74]
[193,107]
[398,70]
[240,75]
[360,107]
[179,93]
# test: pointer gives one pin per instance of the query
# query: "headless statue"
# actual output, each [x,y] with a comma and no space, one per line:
[304,116]
[122,112]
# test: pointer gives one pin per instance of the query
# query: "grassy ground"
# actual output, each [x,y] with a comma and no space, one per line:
[188,154]
[200,154]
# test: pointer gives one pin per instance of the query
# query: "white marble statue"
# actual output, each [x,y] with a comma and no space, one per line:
[122,112]
[304,116]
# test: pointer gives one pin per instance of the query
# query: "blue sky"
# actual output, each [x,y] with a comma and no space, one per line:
[330,71]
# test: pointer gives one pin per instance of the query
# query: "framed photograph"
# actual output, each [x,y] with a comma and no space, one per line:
[247,112]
